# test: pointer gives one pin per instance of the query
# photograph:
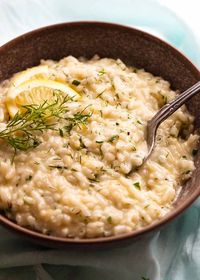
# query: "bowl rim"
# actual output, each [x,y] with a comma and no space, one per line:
[135,233]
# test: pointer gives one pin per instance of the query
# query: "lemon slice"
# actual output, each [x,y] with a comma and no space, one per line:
[28,74]
[35,91]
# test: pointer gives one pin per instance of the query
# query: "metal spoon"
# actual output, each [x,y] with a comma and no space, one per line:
[163,114]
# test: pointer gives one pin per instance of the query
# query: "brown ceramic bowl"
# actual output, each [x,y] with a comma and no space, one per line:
[135,48]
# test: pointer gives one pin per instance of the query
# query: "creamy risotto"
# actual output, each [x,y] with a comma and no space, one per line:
[74,180]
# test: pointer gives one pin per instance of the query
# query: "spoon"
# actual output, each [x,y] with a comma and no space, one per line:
[163,114]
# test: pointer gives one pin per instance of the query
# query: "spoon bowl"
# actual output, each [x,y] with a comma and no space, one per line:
[165,112]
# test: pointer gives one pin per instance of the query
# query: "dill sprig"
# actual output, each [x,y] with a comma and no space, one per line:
[22,132]
[77,119]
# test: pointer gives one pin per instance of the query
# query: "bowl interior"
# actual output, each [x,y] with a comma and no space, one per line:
[134,47]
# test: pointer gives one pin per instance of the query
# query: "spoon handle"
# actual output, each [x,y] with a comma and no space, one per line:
[172,106]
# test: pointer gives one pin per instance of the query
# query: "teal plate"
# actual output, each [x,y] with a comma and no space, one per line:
[20,16]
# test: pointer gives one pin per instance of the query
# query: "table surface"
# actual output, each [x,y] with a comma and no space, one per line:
[188,11]
[170,254]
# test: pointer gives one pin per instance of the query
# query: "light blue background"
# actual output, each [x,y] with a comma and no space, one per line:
[170,254]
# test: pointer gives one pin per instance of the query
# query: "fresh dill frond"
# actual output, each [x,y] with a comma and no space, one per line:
[23,129]
[19,131]
[76,120]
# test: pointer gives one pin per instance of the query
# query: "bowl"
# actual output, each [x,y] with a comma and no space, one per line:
[135,48]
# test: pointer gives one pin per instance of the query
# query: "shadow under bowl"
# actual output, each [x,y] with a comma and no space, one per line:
[133,47]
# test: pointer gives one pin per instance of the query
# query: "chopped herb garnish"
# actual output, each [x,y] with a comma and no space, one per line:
[29,178]
[102,169]
[117,123]
[57,158]
[100,94]
[138,121]
[100,151]
[82,145]
[58,166]
[187,172]
[137,185]
[117,95]
[76,82]
[71,156]
[93,180]
[102,72]
[73,169]
[164,97]
[61,132]
[145,278]
[113,138]
[109,220]
[99,142]
[194,152]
